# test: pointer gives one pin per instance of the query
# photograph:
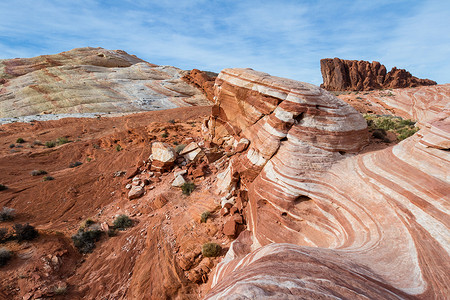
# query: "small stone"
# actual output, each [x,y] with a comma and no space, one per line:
[179,181]
[229,228]
[223,211]
[238,218]
[233,210]
[181,172]
[128,186]
[135,192]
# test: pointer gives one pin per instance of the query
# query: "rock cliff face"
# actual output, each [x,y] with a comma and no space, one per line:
[359,75]
[202,80]
[88,80]
[373,224]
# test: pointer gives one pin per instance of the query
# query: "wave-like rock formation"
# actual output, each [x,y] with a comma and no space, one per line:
[87,80]
[359,75]
[203,80]
[324,221]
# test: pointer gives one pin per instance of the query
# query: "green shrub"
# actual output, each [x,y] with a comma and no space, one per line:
[118,148]
[4,235]
[165,134]
[7,214]
[25,232]
[75,164]
[5,256]
[47,178]
[88,159]
[211,250]
[60,290]
[85,239]
[62,140]
[38,172]
[20,141]
[50,144]
[403,128]
[3,187]
[205,215]
[122,222]
[86,223]
[188,188]
[180,148]
[12,146]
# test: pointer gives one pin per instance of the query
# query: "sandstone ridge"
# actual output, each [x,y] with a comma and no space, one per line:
[91,80]
[359,75]
[314,207]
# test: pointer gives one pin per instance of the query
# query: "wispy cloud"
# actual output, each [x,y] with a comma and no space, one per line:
[285,38]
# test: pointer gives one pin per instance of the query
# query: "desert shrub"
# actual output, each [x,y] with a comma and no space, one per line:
[211,250]
[85,239]
[47,178]
[38,172]
[3,187]
[403,128]
[188,188]
[205,215]
[118,148]
[122,222]
[75,164]
[112,232]
[4,235]
[62,140]
[20,141]
[37,143]
[88,159]
[180,148]
[5,256]
[7,214]
[12,146]
[165,134]
[60,289]
[172,121]
[50,144]
[25,232]
[86,223]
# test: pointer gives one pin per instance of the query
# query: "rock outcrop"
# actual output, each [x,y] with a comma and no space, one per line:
[324,222]
[91,80]
[359,75]
[202,80]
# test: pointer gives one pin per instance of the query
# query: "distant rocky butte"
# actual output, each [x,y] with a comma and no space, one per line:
[91,80]
[360,75]
[322,221]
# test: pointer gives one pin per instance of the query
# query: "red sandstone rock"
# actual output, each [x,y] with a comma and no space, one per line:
[229,228]
[202,80]
[354,75]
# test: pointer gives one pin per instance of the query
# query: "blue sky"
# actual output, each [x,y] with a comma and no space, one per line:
[284,38]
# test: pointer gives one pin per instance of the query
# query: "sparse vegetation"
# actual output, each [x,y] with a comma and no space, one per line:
[5,256]
[20,141]
[25,232]
[60,290]
[188,188]
[211,250]
[7,214]
[172,121]
[4,235]
[12,146]
[38,172]
[47,178]
[118,148]
[86,223]
[85,239]
[165,134]
[180,148]
[75,164]
[88,159]
[50,144]
[205,215]
[122,222]
[62,140]
[401,127]
[3,187]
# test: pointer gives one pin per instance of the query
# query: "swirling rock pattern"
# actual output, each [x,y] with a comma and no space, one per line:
[88,80]
[371,225]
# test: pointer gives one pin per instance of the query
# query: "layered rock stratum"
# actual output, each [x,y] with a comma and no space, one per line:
[324,221]
[91,80]
[359,75]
